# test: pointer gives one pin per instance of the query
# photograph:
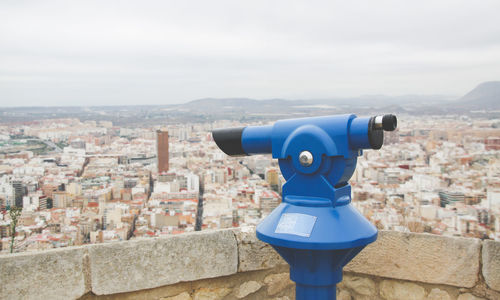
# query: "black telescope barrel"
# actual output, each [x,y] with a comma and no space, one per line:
[229,140]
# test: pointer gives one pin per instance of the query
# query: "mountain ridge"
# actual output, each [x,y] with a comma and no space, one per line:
[483,101]
[484,96]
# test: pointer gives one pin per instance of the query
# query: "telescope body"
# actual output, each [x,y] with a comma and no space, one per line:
[315,228]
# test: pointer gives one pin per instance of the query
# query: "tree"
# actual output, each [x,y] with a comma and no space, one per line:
[14,213]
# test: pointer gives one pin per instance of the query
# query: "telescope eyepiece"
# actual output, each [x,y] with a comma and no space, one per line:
[376,127]
[389,122]
[386,122]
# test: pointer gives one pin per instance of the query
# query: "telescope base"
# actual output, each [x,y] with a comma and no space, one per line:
[306,292]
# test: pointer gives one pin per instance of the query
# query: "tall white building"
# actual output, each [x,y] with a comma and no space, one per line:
[193,183]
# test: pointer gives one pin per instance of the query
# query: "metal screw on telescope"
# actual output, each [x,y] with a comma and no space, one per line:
[306,158]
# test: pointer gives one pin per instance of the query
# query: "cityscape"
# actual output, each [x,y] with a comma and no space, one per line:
[258,150]
[79,181]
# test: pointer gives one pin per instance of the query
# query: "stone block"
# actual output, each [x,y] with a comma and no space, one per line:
[420,257]
[437,294]
[254,254]
[491,264]
[468,296]
[247,288]
[393,290]
[277,283]
[211,293]
[343,295]
[360,285]
[148,263]
[181,296]
[52,274]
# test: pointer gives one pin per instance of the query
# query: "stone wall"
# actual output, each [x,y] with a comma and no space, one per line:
[233,264]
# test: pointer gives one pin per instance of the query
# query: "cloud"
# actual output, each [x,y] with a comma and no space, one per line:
[160,52]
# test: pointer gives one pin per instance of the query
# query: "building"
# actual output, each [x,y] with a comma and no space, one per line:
[450,197]
[44,204]
[192,183]
[268,201]
[162,151]
[492,143]
[163,219]
[19,192]
[272,176]
[60,199]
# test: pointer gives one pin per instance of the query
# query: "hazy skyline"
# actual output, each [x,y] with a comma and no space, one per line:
[163,52]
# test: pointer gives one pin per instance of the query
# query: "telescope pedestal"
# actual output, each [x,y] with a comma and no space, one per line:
[303,292]
[316,272]
[317,240]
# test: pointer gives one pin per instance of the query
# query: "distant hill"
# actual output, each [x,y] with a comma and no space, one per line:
[485,96]
[218,102]
[483,101]
[233,103]
[281,108]
[241,107]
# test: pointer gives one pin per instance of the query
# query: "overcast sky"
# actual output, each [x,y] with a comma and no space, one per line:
[161,52]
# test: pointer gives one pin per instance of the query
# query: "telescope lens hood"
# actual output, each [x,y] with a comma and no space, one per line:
[229,140]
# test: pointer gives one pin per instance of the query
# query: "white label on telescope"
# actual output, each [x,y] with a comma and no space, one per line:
[297,224]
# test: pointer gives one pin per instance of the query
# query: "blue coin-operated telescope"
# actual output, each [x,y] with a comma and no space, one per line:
[315,228]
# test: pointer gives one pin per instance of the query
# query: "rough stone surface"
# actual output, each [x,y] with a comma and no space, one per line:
[491,264]
[248,288]
[149,263]
[195,266]
[393,290]
[211,294]
[155,293]
[437,294]
[468,296]
[361,285]
[277,283]
[254,254]
[52,274]
[394,255]
[182,296]
[344,295]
